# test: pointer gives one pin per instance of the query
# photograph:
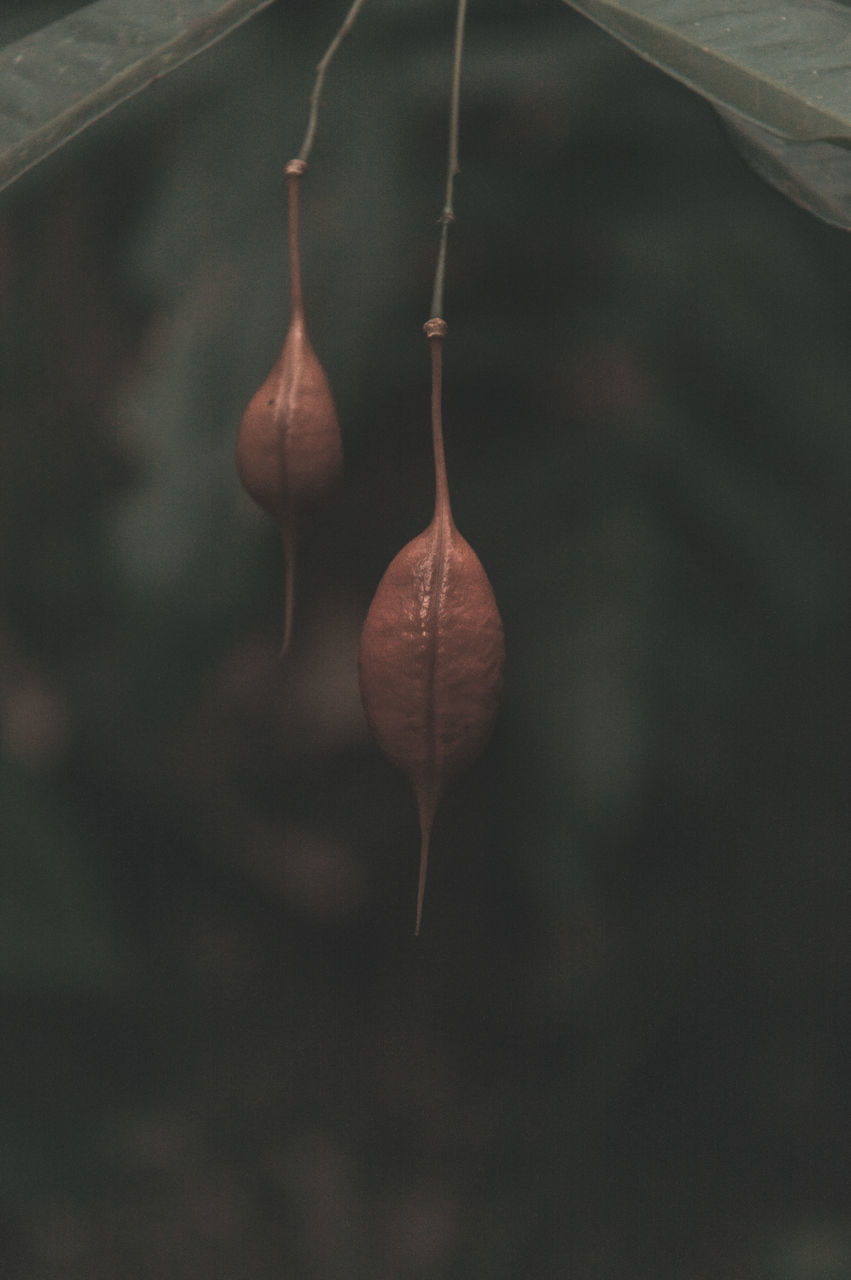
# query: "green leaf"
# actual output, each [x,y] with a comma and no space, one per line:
[780,64]
[19,17]
[814,175]
[60,79]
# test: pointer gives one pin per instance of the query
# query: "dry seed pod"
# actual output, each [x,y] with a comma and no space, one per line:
[289,451]
[432,650]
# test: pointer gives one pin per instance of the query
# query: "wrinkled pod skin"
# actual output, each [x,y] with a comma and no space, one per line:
[289,451]
[431,662]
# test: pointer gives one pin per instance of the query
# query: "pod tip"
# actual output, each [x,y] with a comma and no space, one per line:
[289,590]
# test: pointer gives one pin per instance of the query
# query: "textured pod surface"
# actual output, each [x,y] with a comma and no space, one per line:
[431,659]
[289,450]
[431,664]
[432,649]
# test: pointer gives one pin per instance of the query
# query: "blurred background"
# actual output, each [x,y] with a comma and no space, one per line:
[619,1048]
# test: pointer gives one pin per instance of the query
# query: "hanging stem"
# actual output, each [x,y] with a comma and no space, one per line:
[435,331]
[321,69]
[294,172]
[447,217]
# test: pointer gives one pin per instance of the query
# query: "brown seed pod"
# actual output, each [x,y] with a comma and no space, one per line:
[432,650]
[289,450]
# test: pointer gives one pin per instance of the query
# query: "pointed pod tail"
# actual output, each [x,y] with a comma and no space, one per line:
[288,537]
[426,804]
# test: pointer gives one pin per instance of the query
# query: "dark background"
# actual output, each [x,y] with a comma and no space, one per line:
[620,1047]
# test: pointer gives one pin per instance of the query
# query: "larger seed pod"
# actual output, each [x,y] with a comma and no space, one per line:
[289,450]
[432,650]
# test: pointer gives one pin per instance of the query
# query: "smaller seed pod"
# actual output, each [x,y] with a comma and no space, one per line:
[289,450]
[432,650]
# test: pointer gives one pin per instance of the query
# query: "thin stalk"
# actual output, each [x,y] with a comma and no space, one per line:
[435,331]
[294,171]
[447,217]
[321,69]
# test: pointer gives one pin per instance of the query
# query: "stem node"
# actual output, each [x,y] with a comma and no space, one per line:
[321,69]
[447,217]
